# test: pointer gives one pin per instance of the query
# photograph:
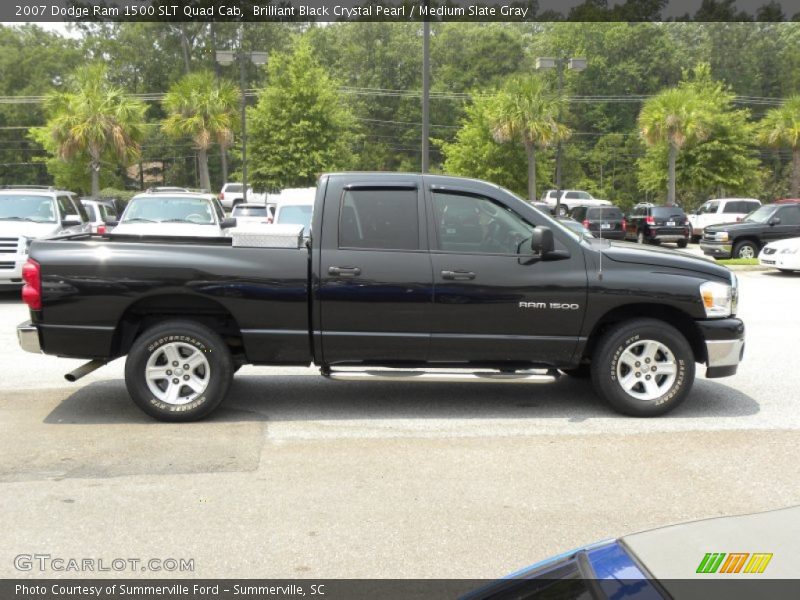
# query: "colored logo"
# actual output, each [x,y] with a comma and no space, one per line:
[734,562]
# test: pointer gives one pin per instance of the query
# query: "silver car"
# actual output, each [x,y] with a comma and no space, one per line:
[31,212]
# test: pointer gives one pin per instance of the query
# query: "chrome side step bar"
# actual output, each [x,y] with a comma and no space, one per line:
[444,375]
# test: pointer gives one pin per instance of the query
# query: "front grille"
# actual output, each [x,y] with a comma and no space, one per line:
[6,264]
[770,250]
[8,245]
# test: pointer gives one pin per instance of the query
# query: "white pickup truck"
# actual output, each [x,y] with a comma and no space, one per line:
[570,199]
[720,210]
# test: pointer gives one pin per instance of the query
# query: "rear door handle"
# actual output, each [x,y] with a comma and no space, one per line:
[458,275]
[344,271]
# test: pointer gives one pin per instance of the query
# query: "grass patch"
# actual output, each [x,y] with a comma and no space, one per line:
[738,261]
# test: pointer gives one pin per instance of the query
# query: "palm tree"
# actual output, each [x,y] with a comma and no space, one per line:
[95,118]
[676,116]
[199,107]
[526,110]
[781,127]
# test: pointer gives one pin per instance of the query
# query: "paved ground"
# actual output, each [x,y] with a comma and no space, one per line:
[302,477]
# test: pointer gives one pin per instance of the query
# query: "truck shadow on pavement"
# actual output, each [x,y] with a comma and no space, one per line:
[283,398]
[11,296]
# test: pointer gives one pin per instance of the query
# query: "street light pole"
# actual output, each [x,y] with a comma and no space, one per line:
[560,67]
[559,63]
[426,88]
[244,111]
[226,57]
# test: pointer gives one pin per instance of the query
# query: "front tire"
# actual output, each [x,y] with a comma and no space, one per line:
[682,243]
[643,368]
[178,371]
[745,249]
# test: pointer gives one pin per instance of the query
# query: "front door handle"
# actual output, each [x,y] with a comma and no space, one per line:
[344,271]
[458,275]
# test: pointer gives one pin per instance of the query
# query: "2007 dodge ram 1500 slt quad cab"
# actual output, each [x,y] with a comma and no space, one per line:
[403,276]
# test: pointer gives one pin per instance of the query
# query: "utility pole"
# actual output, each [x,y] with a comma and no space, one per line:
[426,90]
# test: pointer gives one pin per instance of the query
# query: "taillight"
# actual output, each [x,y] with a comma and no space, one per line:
[221,196]
[586,223]
[32,290]
[101,229]
[624,224]
[650,220]
[269,220]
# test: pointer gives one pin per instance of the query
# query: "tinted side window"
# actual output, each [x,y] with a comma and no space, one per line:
[382,219]
[789,215]
[571,195]
[65,207]
[578,213]
[477,224]
[81,209]
[732,207]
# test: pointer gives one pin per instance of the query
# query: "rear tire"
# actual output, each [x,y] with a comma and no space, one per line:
[682,243]
[632,351]
[178,371]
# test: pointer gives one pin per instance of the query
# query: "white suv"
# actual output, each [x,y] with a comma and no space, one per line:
[231,195]
[28,213]
[570,199]
[721,210]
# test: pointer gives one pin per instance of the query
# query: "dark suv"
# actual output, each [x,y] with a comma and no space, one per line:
[650,224]
[744,239]
[602,221]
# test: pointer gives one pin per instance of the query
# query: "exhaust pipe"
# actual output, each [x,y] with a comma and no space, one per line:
[84,370]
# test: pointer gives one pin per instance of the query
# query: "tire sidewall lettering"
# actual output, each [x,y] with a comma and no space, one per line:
[680,376]
[168,339]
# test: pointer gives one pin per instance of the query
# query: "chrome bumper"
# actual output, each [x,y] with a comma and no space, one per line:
[28,337]
[724,353]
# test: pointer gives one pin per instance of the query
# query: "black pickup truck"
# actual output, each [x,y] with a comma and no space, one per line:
[405,277]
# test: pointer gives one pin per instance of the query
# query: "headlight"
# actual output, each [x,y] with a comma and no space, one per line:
[717,298]
[789,250]
[721,236]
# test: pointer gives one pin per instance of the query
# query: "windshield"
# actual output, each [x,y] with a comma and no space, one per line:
[760,215]
[295,215]
[165,209]
[27,207]
[249,211]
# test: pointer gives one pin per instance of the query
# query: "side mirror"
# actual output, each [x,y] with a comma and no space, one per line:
[774,221]
[71,220]
[542,241]
[228,222]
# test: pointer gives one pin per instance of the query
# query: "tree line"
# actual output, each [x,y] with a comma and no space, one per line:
[663,111]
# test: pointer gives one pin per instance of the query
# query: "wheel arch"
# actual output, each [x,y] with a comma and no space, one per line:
[679,319]
[149,311]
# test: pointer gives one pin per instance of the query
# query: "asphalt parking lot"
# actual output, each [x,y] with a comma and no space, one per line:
[297,476]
